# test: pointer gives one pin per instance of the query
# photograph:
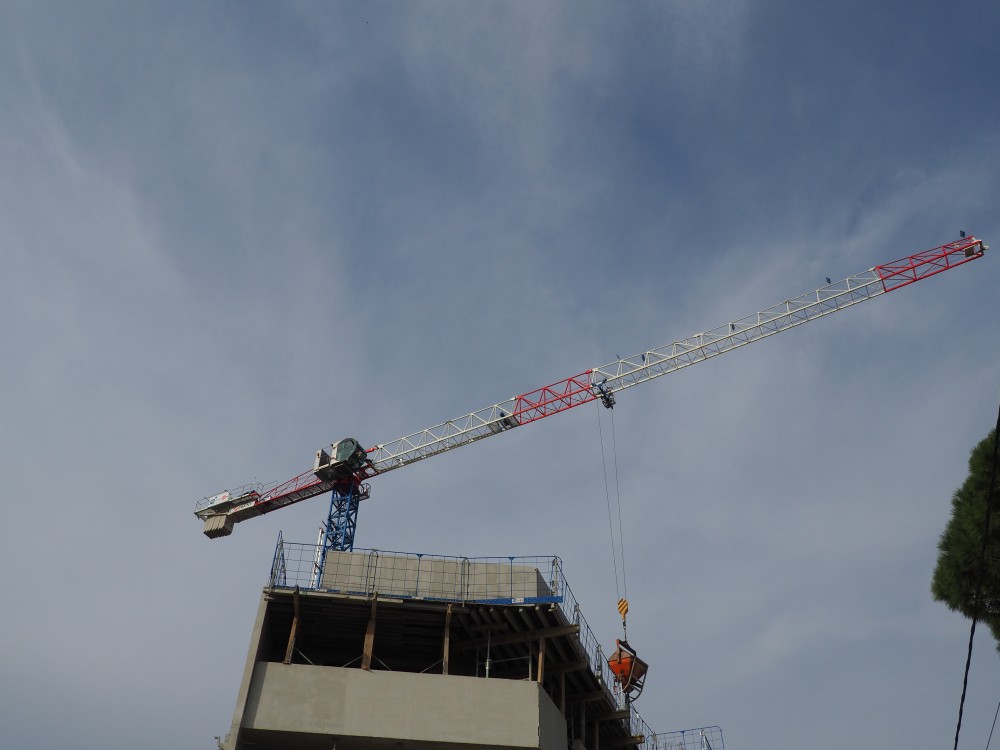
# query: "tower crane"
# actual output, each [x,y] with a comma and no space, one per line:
[345,468]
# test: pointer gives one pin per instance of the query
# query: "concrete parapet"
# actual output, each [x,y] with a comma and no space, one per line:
[447,711]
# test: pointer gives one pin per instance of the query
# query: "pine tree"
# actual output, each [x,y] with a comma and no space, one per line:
[961,544]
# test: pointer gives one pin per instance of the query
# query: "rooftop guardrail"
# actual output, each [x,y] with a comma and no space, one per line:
[480,580]
[700,738]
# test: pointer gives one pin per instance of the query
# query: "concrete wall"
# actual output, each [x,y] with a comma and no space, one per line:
[551,724]
[441,709]
[429,577]
[259,641]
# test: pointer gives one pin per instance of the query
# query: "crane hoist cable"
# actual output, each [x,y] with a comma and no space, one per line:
[607,497]
[626,666]
[617,541]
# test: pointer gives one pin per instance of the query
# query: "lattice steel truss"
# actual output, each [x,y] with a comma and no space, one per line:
[221,512]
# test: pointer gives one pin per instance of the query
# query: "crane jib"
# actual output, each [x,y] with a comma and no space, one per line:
[221,511]
[554,398]
[600,382]
[922,265]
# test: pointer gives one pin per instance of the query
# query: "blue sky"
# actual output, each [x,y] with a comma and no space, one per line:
[235,232]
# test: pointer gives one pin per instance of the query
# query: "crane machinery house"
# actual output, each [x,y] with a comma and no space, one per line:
[345,458]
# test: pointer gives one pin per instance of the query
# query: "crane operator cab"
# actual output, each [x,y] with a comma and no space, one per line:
[629,670]
[344,460]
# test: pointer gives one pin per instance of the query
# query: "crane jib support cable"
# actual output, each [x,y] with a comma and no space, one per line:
[220,512]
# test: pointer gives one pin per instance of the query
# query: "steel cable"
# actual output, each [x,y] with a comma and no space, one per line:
[607,496]
[990,738]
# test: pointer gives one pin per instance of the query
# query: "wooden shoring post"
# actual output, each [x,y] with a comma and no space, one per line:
[295,627]
[541,660]
[597,735]
[562,692]
[366,655]
[583,724]
[447,640]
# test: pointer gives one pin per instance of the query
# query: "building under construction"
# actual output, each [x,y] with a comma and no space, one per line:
[390,650]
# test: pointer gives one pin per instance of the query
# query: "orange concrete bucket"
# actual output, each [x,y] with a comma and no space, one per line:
[629,670]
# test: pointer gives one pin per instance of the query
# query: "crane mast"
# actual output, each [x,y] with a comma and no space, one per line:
[343,469]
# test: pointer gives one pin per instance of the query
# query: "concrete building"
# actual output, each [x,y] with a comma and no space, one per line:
[387,650]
